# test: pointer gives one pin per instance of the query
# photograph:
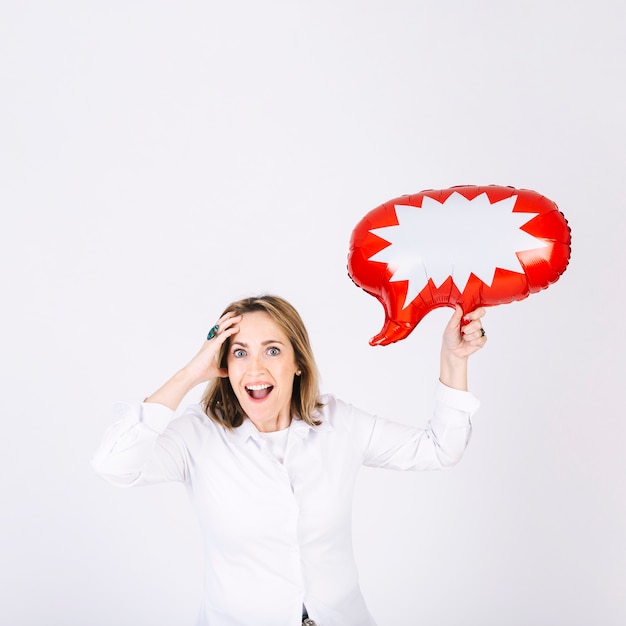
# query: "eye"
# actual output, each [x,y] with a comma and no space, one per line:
[239,353]
[273,351]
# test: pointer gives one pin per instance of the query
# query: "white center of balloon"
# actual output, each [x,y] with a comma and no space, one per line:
[455,238]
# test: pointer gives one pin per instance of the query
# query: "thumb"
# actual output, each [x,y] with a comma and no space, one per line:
[455,320]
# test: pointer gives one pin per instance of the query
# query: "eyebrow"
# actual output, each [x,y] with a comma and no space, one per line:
[263,343]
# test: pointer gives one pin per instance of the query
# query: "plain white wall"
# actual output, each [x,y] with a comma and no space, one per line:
[160,159]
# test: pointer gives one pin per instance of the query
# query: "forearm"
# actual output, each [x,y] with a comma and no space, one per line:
[175,389]
[453,371]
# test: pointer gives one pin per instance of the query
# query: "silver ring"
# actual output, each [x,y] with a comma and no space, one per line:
[482,332]
[212,332]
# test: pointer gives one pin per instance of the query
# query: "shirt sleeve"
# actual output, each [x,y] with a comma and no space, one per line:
[441,444]
[139,448]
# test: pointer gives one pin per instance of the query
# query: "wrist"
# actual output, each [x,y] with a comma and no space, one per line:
[187,378]
[453,371]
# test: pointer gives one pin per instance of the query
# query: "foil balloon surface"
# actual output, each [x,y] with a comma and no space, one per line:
[467,245]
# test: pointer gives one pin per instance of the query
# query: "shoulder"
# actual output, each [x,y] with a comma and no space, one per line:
[193,421]
[340,414]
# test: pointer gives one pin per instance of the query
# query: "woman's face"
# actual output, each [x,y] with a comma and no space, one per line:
[261,367]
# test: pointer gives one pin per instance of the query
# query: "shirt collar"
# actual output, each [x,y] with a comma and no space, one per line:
[298,427]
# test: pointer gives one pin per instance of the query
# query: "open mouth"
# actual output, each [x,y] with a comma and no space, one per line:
[258,392]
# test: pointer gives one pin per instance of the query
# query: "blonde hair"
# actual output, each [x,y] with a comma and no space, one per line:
[219,400]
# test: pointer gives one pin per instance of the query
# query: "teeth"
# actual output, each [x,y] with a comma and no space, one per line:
[258,387]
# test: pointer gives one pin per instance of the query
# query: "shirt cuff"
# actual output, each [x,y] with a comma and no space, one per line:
[464,401]
[155,416]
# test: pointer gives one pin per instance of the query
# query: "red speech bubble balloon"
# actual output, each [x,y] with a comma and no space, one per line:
[475,246]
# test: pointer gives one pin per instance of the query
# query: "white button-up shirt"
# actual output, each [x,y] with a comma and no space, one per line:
[278,535]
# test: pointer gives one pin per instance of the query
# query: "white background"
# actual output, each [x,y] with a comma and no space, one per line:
[161,159]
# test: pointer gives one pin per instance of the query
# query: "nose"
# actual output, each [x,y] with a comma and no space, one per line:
[255,363]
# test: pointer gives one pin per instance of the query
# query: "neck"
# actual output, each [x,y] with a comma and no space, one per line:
[272,425]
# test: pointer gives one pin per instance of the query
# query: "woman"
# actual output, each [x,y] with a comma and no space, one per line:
[270,465]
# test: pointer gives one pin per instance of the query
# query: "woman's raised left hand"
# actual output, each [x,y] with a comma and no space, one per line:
[464,334]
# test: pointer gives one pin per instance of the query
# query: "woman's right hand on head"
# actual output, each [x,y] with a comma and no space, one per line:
[202,368]
[205,364]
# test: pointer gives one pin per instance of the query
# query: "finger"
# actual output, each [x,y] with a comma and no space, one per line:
[223,324]
[472,322]
[228,328]
[226,332]
[476,335]
[229,315]
[476,314]
[471,328]
[455,320]
[475,339]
